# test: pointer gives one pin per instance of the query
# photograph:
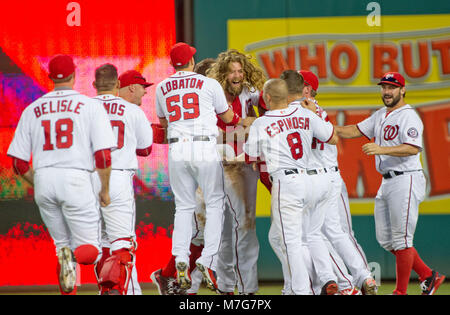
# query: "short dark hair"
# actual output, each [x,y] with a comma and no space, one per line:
[106,77]
[294,81]
[64,80]
[203,66]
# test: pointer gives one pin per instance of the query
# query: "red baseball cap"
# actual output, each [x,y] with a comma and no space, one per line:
[310,79]
[393,78]
[132,77]
[60,67]
[181,53]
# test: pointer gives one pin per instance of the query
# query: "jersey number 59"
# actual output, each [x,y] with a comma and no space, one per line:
[188,109]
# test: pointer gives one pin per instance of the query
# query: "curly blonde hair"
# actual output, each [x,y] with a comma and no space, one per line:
[254,77]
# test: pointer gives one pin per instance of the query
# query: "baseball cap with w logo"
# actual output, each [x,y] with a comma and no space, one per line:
[393,78]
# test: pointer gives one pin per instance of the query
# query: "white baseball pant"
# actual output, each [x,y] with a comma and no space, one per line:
[319,202]
[195,164]
[239,250]
[68,207]
[289,194]
[341,240]
[346,220]
[397,209]
[119,218]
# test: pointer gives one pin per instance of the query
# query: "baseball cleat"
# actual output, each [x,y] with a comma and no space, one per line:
[67,272]
[330,288]
[173,287]
[431,284]
[209,277]
[161,282]
[352,291]
[369,287]
[183,276]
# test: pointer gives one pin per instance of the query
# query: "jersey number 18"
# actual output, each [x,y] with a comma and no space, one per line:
[63,130]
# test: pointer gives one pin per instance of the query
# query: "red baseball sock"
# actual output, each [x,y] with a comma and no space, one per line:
[404,263]
[420,267]
[169,270]
[196,252]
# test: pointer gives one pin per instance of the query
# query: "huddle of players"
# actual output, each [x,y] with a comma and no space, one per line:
[307,213]
[306,225]
[293,139]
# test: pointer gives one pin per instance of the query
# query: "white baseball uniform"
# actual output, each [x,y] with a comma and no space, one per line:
[61,131]
[327,172]
[403,185]
[238,255]
[283,139]
[132,132]
[190,103]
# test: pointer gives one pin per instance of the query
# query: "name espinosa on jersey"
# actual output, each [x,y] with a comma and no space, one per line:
[286,124]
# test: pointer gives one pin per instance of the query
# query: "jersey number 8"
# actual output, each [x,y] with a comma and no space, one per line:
[295,144]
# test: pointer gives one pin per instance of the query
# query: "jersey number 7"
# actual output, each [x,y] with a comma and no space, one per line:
[188,109]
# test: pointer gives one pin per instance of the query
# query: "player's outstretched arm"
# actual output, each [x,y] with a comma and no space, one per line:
[347,132]
[231,118]
[398,150]
[334,139]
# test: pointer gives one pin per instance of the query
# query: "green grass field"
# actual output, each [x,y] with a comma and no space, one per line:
[149,289]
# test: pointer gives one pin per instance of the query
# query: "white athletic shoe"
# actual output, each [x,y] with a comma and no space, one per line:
[67,273]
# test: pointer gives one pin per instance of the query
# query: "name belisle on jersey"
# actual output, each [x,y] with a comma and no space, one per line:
[60,106]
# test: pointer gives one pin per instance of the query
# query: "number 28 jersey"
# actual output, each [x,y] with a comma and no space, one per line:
[62,129]
[283,138]
[190,102]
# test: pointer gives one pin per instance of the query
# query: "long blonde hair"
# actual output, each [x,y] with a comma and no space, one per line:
[254,77]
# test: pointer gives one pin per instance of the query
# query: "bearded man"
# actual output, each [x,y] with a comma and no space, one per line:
[242,82]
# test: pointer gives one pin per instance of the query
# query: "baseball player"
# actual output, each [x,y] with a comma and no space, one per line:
[283,138]
[311,84]
[325,159]
[164,278]
[294,82]
[134,136]
[241,81]
[397,130]
[67,134]
[187,104]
